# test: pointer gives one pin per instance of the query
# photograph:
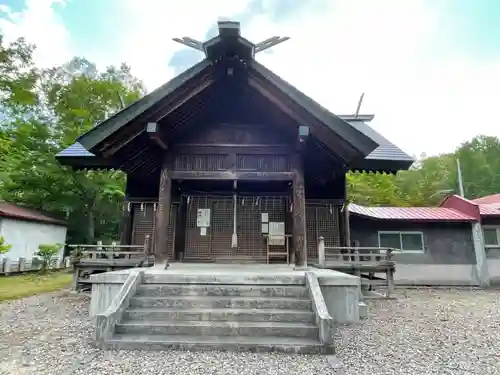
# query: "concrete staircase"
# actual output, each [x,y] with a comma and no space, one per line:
[254,315]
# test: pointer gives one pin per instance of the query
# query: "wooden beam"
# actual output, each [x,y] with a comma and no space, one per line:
[153,131]
[232,175]
[254,83]
[163,211]
[299,213]
[110,151]
[320,130]
[161,112]
[195,91]
[227,149]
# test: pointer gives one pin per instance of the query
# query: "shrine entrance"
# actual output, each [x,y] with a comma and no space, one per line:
[235,226]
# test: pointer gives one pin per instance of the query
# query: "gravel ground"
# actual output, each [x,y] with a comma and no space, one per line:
[439,331]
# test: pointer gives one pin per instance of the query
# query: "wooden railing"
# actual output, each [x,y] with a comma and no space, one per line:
[89,259]
[111,251]
[369,260]
[353,254]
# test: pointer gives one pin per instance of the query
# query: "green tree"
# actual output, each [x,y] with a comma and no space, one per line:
[47,252]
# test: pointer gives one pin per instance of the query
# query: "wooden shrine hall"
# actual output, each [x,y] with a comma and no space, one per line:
[228,162]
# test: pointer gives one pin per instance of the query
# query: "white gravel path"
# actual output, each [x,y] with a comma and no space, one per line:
[436,331]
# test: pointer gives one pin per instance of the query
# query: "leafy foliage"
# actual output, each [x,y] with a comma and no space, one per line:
[47,252]
[4,248]
[57,106]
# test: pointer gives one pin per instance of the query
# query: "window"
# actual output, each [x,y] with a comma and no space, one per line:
[491,236]
[405,241]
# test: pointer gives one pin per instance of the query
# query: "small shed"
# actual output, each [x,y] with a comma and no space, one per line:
[25,229]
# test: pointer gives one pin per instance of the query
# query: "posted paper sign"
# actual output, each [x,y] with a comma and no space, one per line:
[276,233]
[203,218]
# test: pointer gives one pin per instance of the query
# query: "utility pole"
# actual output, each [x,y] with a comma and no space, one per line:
[460,182]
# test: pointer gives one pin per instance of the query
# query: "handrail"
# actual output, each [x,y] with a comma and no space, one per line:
[353,254]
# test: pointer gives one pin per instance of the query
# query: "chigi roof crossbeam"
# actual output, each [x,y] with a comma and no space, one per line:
[230,42]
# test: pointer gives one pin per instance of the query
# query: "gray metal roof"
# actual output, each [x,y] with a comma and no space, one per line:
[75,150]
[387,151]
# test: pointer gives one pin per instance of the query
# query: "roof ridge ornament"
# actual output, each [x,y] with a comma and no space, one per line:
[230,42]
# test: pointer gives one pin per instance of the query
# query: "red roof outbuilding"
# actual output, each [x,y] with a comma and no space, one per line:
[411,213]
[15,211]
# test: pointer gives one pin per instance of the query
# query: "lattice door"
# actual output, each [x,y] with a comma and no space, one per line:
[322,220]
[197,245]
[216,240]
[251,241]
[222,227]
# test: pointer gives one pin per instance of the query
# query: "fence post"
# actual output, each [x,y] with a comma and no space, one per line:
[22,264]
[321,251]
[6,266]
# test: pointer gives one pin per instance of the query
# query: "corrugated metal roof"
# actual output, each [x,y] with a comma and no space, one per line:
[75,150]
[492,209]
[17,212]
[489,199]
[410,213]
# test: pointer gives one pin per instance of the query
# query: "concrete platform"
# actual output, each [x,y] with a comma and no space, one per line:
[341,291]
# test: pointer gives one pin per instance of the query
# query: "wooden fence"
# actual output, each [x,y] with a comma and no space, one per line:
[364,262]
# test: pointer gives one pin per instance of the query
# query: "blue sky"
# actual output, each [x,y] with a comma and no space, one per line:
[430,69]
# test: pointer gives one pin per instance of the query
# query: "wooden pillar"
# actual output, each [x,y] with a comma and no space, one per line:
[163,212]
[347,226]
[299,213]
[126,225]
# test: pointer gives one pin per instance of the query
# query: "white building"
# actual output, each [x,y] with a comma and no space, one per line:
[26,229]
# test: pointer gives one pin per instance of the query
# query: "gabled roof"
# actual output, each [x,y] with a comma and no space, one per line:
[434,214]
[366,152]
[15,211]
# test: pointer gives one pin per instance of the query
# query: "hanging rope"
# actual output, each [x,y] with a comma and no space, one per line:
[234,238]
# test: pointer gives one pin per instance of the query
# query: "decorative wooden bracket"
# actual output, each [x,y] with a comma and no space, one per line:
[303,133]
[153,131]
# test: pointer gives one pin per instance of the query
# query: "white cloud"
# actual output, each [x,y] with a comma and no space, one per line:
[147,39]
[424,100]
[39,24]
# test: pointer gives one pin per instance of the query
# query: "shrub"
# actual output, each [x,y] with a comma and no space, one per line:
[4,248]
[47,252]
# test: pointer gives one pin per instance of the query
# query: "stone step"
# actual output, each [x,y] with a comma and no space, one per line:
[213,328]
[240,278]
[236,315]
[288,345]
[161,290]
[205,302]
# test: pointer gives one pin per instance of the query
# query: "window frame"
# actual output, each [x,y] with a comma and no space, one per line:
[497,228]
[400,233]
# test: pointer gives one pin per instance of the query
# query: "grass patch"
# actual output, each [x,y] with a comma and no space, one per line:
[15,287]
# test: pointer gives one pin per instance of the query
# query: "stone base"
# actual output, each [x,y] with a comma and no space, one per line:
[340,291]
[229,344]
